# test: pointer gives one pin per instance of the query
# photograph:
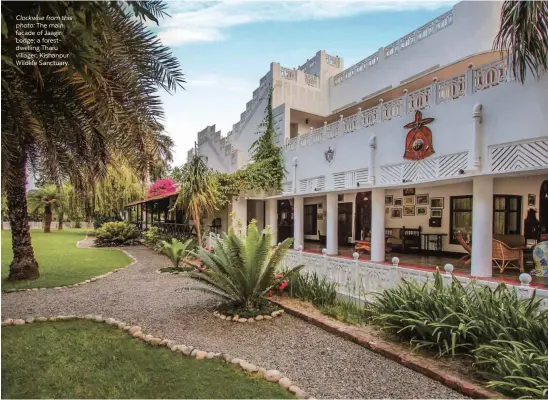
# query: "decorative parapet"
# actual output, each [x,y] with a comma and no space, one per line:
[474,80]
[287,73]
[312,80]
[399,45]
[355,69]
[308,65]
[332,60]
[417,35]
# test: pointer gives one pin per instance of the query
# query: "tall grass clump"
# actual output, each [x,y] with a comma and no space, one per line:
[505,334]
[310,287]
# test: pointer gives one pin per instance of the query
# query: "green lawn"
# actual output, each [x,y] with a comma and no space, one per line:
[60,261]
[84,359]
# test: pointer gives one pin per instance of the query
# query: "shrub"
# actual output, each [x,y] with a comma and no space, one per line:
[242,270]
[515,368]
[116,234]
[309,287]
[176,250]
[506,335]
[100,219]
[351,312]
[452,319]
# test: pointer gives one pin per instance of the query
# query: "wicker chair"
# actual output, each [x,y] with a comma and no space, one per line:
[467,258]
[503,256]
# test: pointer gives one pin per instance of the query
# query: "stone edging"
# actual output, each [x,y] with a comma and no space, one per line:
[135,331]
[90,280]
[462,386]
[171,273]
[236,318]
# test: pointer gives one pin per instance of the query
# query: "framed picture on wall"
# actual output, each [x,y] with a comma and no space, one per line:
[531,200]
[398,202]
[388,200]
[436,202]
[409,192]
[436,213]
[421,210]
[320,215]
[409,201]
[408,211]
[387,210]
[422,199]
[396,213]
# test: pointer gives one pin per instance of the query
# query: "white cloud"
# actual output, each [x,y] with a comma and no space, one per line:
[198,21]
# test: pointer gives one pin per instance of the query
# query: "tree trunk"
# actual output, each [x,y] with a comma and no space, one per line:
[48,217]
[24,265]
[60,223]
[196,217]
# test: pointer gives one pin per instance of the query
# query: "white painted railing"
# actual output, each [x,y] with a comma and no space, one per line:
[355,69]
[474,80]
[360,279]
[434,168]
[288,74]
[437,24]
[312,80]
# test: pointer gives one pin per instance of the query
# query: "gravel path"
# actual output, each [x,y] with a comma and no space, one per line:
[322,364]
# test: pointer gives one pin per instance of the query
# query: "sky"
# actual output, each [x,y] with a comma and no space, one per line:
[225,47]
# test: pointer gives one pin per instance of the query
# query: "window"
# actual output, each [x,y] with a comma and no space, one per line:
[506,215]
[311,219]
[460,218]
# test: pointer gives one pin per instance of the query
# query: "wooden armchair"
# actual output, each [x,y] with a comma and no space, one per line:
[467,258]
[504,255]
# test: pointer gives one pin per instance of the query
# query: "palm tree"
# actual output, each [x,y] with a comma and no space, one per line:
[198,192]
[523,34]
[46,199]
[68,123]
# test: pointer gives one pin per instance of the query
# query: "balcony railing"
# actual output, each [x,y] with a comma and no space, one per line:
[174,228]
[437,24]
[474,80]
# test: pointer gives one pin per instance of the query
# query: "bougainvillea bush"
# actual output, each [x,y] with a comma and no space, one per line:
[162,186]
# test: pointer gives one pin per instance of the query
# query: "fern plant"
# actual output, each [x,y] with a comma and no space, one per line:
[176,250]
[241,270]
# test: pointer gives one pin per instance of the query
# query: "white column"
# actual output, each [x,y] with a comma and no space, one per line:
[482,226]
[298,222]
[377,225]
[239,215]
[475,154]
[372,148]
[332,220]
[272,219]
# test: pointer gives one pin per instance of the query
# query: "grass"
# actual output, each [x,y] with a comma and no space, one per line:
[60,261]
[83,359]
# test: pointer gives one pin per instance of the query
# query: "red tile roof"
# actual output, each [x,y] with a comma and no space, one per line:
[154,198]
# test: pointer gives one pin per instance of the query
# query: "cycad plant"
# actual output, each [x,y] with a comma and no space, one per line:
[242,270]
[176,250]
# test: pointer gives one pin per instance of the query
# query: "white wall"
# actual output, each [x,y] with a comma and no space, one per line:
[475,24]
[511,112]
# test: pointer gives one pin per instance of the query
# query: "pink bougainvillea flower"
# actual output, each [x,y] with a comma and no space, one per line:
[278,276]
[269,293]
[283,285]
[162,186]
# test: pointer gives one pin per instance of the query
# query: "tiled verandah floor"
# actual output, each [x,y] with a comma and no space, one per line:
[431,261]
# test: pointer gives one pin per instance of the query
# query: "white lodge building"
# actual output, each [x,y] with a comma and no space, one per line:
[427,137]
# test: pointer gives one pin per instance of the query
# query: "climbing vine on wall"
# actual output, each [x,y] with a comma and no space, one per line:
[266,170]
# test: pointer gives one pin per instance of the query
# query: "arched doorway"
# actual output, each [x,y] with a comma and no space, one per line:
[543,208]
[363,215]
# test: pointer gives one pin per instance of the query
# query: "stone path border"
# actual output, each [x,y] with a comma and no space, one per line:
[90,280]
[236,318]
[462,386]
[135,331]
